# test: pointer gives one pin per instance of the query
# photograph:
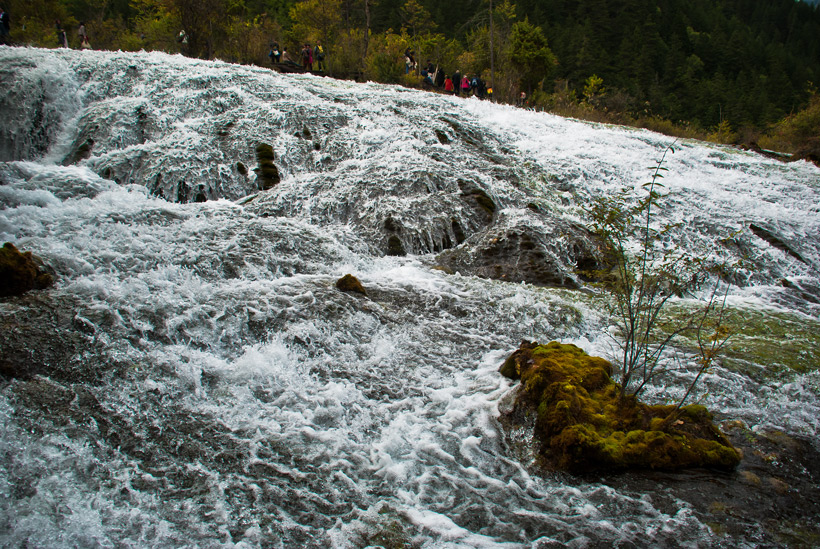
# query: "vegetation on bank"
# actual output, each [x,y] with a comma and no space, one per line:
[732,71]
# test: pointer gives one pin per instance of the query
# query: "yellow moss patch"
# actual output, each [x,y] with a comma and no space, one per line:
[583,425]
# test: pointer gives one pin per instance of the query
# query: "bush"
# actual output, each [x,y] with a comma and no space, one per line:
[645,271]
[799,133]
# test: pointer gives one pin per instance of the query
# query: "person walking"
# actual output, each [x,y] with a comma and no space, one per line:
[81,32]
[465,85]
[409,61]
[62,39]
[307,58]
[5,27]
[319,57]
[457,82]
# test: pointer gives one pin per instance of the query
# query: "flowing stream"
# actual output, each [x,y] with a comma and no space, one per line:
[195,379]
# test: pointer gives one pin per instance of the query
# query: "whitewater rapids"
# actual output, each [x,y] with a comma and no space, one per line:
[201,382]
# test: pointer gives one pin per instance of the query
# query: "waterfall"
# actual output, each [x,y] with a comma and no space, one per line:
[195,378]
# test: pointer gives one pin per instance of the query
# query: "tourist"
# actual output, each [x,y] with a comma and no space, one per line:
[409,61]
[439,78]
[62,39]
[465,85]
[5,27]
[275,53]
[319,57]
[307,58]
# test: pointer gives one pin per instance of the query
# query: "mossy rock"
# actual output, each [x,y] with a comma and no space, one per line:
[266,171]
[583,425]
[349,283]
[20,272]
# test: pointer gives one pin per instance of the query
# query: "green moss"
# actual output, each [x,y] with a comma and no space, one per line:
[20,272]
[781,341]
[583,424]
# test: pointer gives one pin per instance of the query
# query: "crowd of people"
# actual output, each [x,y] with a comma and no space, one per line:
[62,36]
[312,59]
[308,57]
[434,76]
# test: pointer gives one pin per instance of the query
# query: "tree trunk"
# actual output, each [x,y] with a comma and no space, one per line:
[366,33]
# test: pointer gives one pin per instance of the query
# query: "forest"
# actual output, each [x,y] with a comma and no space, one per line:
[732,71]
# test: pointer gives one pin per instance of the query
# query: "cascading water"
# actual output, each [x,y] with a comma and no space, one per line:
[194,378]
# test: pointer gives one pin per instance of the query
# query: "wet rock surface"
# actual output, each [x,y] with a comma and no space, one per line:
[773,496]
[521,253]
[41,336]
[21,272]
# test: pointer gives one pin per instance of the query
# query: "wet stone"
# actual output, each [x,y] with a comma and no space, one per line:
[21,272]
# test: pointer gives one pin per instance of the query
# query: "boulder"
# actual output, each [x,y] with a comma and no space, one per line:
[349,283]
[267,173]
[559,255]
[582,424]
[20,272]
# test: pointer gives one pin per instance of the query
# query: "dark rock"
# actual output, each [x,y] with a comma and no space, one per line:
[266,171]
[349,283]
[182,192]
[240,167]
[458,232]
[442,137]
[391,225]
[21,272]
[43,333]
[583,424]
[83,151]
[479,197]
[526,254]
[395,247]
[775,241]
